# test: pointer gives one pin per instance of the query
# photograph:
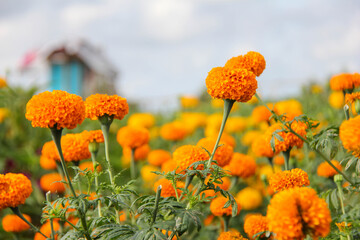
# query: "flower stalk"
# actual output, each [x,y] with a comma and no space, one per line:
[287,158]
[157,200]
[132,164]
[338,180]
[95,164]
[48,199]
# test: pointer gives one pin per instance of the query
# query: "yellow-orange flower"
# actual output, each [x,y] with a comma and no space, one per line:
[193,120]
[3,82]
[249,137]
[52,182]
[252,61]
[289,179]
[167,188]
[325,170]
[189,101]
[255,223]
[351,98]
[98,105]
[146,120]
[305,214]
[223,153]
[261,147]
[94,136]
[4,113]
[47,163]
[169,166]
[241,165]
[75,146]
[55,109]
[344,81]
[217,207]
[343,226]
[147,174]
[158,157]
[225,185]
[235,124]
[231,235]
[249,198]
[141,152]
[291,108]
[228,139]
[49,150]
[279,160]
[349,134]
[336,100]
[46,229]
[261,114]
[186,155]
[234,84]
[12,223]
[132,137]
[173,131]
[14,189]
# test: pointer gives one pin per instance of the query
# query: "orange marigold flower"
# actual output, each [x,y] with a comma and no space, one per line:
[55,109]
[147,174]
[223,153]
[75,146]
[249,137]
[3,82]
[217,207]
[351,98]
[141,152]
[241,165]
[193,120]
[234,84]
[289,179]
[89,166]
[225,185]
[169,166]
[291,108]
[261,147]
[15,188]
[235,124]
[325,170]
[167,187]
[173,131]
[231,235]
[132,137]
[252,61]
[98,105]
[94,136]
[305,214]
[255,223]
[52,182]
[186,155]
[158,157]
[12,223]
[343,226]
[279,160]
[189,101]
[47,163]
[336,100]
[49,150]
[46,229]
[249,198]
[146,120]
[228,139]
[349,134]
[344,81]
[261,113]
[4,113]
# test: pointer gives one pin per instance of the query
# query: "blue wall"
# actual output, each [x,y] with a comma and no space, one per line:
[67,77]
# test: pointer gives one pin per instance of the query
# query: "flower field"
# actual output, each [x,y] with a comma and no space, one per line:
[226,165]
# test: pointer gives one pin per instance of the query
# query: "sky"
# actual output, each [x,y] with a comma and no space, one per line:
[164,49]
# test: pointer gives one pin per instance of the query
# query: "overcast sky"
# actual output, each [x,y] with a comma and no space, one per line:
[165,48]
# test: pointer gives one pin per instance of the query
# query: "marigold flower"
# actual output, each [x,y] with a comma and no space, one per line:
[325,170]
[217,207]
[261,114]
[98,105]
[279,160]
[141,152]
[186,155]
[343,226]
[228,139]
[4,113]
[349,134]
[193,120]
[47,163]
[168,166]
[173,131]
[167,187]
[249,198]
[3,82]
[15,188]
[235,124]
[291,108]
[289,179]
[231,235]
[147,174]
[344,81]
[94,136]
[89,166]
[49,150]
[351,98]
[55,109]
[46,229]
[12,223]
[305,214]
[336,100]
[252,61]
[75,146]
[146,120]
[132,137]
[225,185]
[233,84]
[241,165]
[249,137]
[255,223]
[189,101]
[158,157]
[261,147]
[223,153]
[52,182]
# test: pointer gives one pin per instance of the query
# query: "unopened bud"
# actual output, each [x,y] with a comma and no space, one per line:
[93,147]
[338,178]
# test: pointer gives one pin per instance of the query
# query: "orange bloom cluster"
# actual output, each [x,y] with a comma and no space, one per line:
[2,82]
[249,198]
[223,153]
[146,120]
[189,101]
[94,136]
[173,131]
[98,105]
[261,147]
[186,155]
[167,187]
[305,213]
[254,224]
[241,165]
[46,229]
[234,84]
[47,163]
[55,109]
[15,188]
[291,108]
[225,185]
[169,166]
[250,136]
[251,61]
[51,182]
[325,170]
[336,100]
[217,207]
[261,113]
[349,134]
[351,98]
[75,146]
[132,137]
[141,152]
[12,223]
[231,235]
[345,81]
[288,179]
[49,150]
[158,157]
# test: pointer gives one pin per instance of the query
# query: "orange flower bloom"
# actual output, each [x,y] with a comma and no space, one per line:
[51,182]
[189,101]
[89,166]
[289,179]
[325,170]
[168,166]
[147,174]
[261,147]
[234,84]
[241,165]
[249,198]
[231,235]
[14,189]
[305,213]
[47,163]
[146,120]
[228,139]
[173,131]
[158,157]
[344,81]
[349,134]
[255,223]
[291,108]
[98,105]
[261,113]
[351,98]
[343,226]
[225,185]
[49,150]
[249,137]
[55,109]
[217,207]
[279,160]
[186,155]
[167,187]
[235,124]
[336,100]
[193,120]
[3,82]
[94,136]
[141,152]
[75,146]
[252,61]
[46,229]
[223,153]
[132,137]
[12,223]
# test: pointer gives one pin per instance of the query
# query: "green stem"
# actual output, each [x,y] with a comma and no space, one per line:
[18,213]
[93,158]
[341,197]
[307,142]
[132,164]
[227,108]
[347,112]
[172,235]
[188,180]
[14,236]
[287,158]
[48,199]
[157,200]
[226,222]
[176,192]
[76,172]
